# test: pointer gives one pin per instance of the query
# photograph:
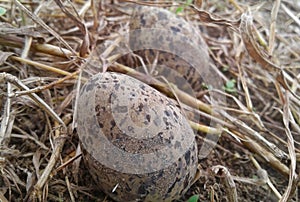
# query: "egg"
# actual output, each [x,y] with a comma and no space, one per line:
[174,45]
[136,143]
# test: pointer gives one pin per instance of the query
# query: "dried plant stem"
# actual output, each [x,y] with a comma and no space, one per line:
[59,141]
[50,49]
[246,31]
[262,152]
[53,50]
[292,185]
[274,14]
[291,14]
[14,80]
[245,88]
[44,25]
[205,129]
[254,135]
[2,198]
[42,66]
[70,189]
[41,88]
[5,119]
[235,4]
[151,3]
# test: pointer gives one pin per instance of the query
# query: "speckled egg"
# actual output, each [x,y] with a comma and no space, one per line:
[172,43]
[136,143]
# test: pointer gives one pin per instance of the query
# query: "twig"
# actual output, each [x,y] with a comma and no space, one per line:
[41,88]
[289,12]
[44,25]
[205,129]
[262,152]
[50,49]
[292,185]
[274,14]
[4,136]
[43,66]
[70,189]
[251,133]
[14,80]
[246,31]
[58,145]
[2,198]
[84,48]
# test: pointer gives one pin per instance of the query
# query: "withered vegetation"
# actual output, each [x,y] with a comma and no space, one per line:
[254,48]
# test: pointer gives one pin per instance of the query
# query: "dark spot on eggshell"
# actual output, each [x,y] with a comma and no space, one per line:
[148,117]
[175,29]
[175,115]
[103,86]
[167,112]
[117,85]
[177,144]
[162,16]
[187,157]
[140,107]
[178,170]
[142,86]
[130,128]
[142,19]
[91,85]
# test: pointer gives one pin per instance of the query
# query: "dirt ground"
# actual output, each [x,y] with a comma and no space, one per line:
[254,47]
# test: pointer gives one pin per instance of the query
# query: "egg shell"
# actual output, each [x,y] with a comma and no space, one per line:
[136,143]
[160,35]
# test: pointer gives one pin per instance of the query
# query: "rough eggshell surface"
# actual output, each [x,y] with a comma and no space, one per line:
[136,143]
[173,43]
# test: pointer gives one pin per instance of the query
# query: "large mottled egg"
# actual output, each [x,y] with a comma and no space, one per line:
[136,143]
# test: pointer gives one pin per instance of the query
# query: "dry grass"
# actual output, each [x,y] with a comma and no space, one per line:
[45,45]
